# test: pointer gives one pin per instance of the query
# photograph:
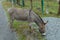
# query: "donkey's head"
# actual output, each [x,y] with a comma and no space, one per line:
[42,28]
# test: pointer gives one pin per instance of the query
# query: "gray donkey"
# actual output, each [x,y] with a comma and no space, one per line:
[26,15]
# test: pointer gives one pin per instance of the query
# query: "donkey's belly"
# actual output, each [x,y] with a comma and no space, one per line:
[22,18]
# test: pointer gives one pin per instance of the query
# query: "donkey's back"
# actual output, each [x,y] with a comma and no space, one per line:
[19,14]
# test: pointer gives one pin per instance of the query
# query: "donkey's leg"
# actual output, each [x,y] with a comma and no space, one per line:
[11,23]
[31,26]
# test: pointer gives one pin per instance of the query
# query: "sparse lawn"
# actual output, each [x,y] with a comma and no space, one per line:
[20,26]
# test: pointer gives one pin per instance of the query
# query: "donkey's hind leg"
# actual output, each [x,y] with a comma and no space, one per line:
[11,23]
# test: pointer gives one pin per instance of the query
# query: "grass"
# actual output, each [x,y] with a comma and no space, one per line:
[20,26]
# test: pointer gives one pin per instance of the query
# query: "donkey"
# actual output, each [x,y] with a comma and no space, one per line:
[26,15]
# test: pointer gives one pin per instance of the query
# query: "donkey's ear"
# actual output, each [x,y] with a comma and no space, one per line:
[45,23]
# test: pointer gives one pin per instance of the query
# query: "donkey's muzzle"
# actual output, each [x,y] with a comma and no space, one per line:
[42,32]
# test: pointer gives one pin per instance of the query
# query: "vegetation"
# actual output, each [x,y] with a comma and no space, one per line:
[21,26]
[52,7]
[59,8]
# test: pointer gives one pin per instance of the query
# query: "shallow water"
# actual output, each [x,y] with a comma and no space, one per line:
[5,31]
[52,28]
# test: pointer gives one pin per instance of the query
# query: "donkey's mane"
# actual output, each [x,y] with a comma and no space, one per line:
[39,18]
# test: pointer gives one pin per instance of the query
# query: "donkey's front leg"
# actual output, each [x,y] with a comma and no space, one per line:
[31,27]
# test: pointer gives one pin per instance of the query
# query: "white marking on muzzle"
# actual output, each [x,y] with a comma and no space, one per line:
[43,34]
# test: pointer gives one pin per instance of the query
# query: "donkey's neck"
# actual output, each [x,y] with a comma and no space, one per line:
[38,20]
